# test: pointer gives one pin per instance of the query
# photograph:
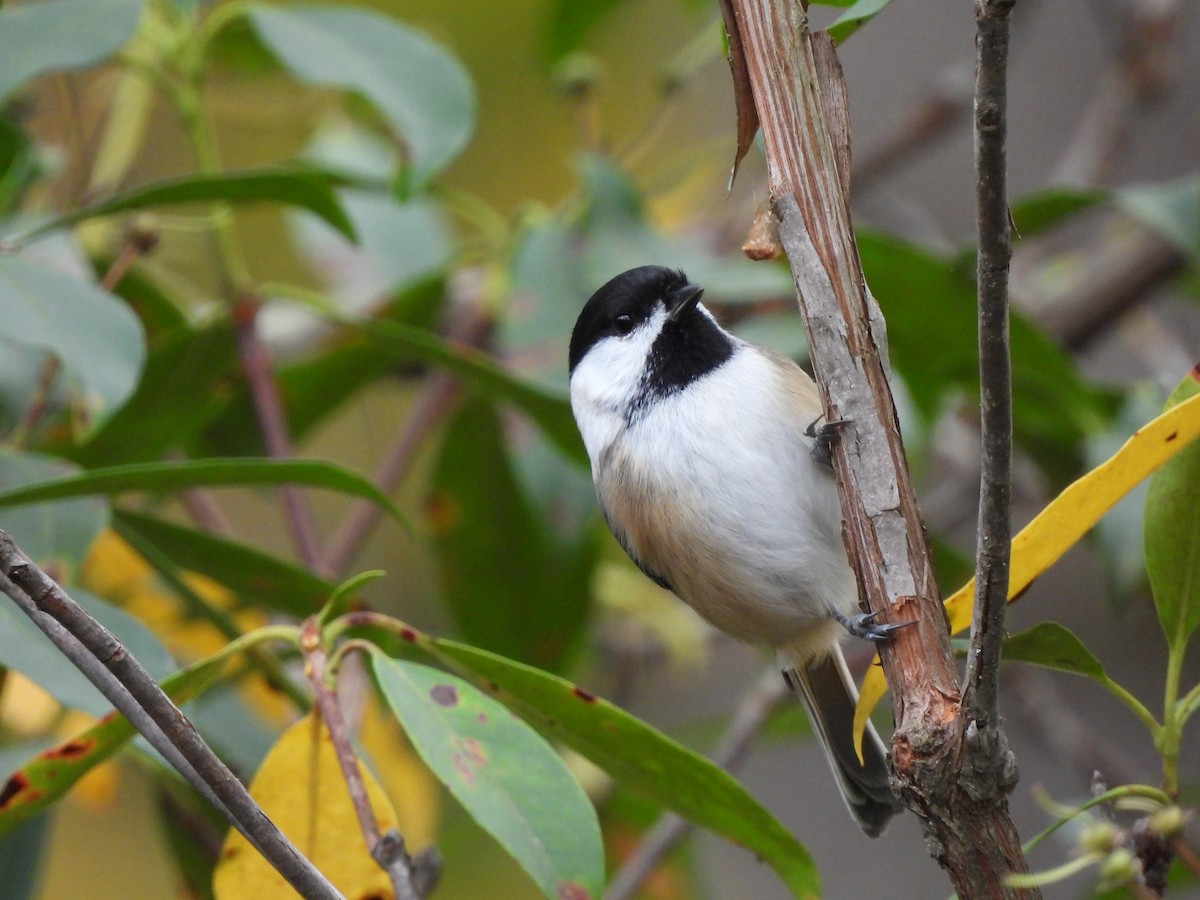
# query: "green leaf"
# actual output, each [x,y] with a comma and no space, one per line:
[25,649]
[60,34]
[1172,533]
[251,574]
[638,756]
[200,365]
[854,18]
[1053,646]
[511,588]
[1171,208]
[420,88]
[50,774]
[305,189]
[21,855]
[173,476]
[503,772]
[1040,211]
[55,535]
[95,338]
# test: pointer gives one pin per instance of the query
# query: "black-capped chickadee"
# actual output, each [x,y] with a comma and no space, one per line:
[712,477]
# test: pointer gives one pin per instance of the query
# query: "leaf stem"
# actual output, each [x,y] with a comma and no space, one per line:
[1169,735]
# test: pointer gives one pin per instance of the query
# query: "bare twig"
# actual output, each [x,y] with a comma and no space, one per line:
[981,685]
[408,881]
[730,753]
[109,666]
[435,401]
[268,407]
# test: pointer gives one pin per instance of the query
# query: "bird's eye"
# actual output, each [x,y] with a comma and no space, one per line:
[623,324]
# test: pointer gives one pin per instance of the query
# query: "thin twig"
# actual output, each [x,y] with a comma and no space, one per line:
[434,402]
[981,691]
[268,407]
[138,242]
[730,753]
[387,849]
[90,646]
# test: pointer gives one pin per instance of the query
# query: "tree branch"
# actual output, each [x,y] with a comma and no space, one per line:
[973,838]
[268,407]
[994,533]
[121,678]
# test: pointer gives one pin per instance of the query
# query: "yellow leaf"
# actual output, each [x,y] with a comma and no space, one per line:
[1058,527]
[300,786]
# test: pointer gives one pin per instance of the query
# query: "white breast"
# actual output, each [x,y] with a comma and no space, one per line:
[753,524]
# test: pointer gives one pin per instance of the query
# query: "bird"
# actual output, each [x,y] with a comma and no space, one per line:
[712,473]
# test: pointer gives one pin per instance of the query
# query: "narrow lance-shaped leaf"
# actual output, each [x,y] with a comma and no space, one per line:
[49,775]
[637,755]
[173,476]
[251,574]
[307,190]
[550,412]
[1172,531]
[1066,519]
[503,772]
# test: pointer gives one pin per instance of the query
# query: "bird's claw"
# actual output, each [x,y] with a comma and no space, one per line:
[824,437]
[863,625]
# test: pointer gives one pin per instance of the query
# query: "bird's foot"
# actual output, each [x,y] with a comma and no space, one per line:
[824,436]
[863,625]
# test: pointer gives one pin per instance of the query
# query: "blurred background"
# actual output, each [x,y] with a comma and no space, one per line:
[603,137]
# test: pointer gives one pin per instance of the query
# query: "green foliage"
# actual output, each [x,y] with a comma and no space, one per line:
[62,34]
[512,587]
[509,779]
[641,757]
[305,300]
[420,89]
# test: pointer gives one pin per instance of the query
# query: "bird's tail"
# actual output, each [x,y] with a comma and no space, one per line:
[829,695]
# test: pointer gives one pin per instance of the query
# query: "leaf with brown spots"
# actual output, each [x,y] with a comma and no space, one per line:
[638,756]
[53,772]
[503,773]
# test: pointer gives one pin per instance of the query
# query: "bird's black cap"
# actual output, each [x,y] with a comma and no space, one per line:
[633,293]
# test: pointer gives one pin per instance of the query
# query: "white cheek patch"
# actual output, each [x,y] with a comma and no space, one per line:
[606,382]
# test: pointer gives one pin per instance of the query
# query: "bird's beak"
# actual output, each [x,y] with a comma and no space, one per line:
[682,301]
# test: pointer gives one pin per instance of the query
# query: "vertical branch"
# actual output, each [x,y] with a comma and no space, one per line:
[268,408]
[995,376]
[968,828]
